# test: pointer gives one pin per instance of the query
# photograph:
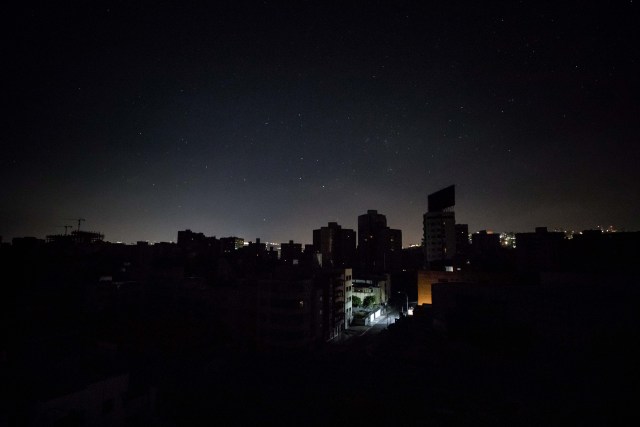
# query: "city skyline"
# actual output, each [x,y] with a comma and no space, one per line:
[270,121]
[70,229]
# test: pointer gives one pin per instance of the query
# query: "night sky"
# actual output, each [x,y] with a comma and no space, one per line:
[269,120]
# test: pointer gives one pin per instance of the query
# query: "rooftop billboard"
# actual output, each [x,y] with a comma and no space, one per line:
[440,200]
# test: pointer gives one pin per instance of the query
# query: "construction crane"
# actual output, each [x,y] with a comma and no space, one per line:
[77,219]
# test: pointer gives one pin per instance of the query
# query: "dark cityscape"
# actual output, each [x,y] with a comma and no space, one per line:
[304,213]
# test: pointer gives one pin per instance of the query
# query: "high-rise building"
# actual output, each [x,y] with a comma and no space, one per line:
[462,243]
[439,227]
[379,247]
[291,253]
[337,245]
[347,277]
[231,244]
[191,242]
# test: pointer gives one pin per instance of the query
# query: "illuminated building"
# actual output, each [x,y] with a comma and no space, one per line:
[379,288]
[336,308]
[508,240]
[348,296]
[230,244]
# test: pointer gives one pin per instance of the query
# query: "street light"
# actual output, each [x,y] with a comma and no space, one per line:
[407,298]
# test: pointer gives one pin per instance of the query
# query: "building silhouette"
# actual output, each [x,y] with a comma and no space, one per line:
[539,251]
[379,247]
[291,253]
[336,245]
[462,243]
[439,230]
[76,237]
[485,244]
[230,244]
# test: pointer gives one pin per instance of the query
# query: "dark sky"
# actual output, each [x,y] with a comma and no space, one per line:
[269,120]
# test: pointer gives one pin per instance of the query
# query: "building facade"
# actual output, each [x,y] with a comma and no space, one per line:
[379,247]
[336,245]
[439,227]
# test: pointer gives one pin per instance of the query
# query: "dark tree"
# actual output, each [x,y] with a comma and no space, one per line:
[369,301]
[356,301]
